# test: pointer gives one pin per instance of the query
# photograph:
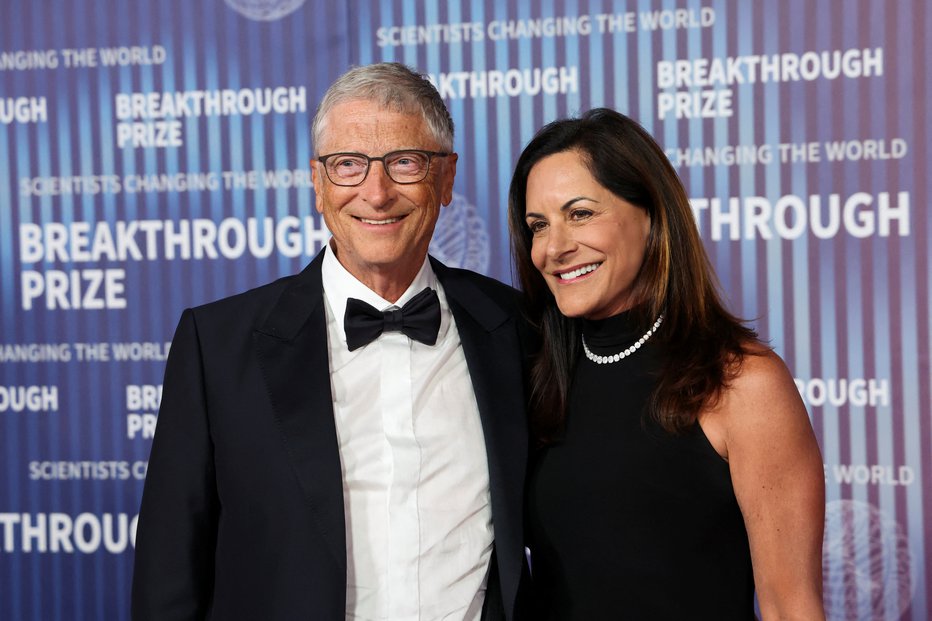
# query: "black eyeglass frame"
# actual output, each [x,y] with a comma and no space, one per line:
[429,154]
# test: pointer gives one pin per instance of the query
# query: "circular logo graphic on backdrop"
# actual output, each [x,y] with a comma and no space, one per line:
[265,10]
[866,564]
[461,238]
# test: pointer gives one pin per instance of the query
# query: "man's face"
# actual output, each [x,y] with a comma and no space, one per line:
[381,229]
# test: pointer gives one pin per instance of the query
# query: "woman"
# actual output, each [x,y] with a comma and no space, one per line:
[678,470]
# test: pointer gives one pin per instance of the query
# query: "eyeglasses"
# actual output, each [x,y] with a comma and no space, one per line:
[402,167]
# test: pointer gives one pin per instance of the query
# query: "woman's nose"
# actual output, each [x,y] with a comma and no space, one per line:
[560,242]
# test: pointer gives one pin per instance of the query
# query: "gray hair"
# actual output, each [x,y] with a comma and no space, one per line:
[393,86]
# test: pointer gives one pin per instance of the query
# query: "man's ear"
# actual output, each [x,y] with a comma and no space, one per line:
[318,185]
[449,174]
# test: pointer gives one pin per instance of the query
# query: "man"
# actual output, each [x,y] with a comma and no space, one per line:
[301,470]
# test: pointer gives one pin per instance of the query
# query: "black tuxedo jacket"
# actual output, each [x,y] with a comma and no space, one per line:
[242,510]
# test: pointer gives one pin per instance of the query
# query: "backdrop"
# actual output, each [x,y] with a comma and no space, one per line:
[153,156]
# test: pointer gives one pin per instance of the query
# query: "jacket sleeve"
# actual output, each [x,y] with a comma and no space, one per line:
[177,529]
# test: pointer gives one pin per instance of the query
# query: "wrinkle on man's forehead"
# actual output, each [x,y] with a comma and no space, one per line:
[376,133]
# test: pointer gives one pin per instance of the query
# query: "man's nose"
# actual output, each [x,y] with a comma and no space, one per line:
[378,186]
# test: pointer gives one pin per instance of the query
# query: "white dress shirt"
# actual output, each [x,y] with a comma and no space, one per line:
[415,475]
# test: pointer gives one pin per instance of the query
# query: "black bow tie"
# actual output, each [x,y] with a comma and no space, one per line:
[419,319]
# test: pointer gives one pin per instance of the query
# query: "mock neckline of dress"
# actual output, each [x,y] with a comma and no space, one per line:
[620,329]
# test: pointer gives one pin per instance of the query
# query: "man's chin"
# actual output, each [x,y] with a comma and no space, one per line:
[385,264]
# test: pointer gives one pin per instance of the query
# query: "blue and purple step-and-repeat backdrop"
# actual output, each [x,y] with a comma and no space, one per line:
[153,156]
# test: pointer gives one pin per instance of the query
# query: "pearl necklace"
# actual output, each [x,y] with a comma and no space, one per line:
[622,354]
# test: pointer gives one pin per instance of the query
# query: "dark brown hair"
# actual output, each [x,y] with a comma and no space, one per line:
[702,343]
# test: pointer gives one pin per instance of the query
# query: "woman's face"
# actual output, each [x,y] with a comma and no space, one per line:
[587,243]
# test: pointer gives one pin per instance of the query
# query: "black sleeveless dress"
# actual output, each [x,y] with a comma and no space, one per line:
[625,520]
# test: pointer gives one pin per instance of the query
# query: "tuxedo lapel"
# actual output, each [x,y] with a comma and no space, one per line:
[292,351]
[490,344]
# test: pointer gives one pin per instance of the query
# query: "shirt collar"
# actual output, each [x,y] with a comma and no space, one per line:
[339,285]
